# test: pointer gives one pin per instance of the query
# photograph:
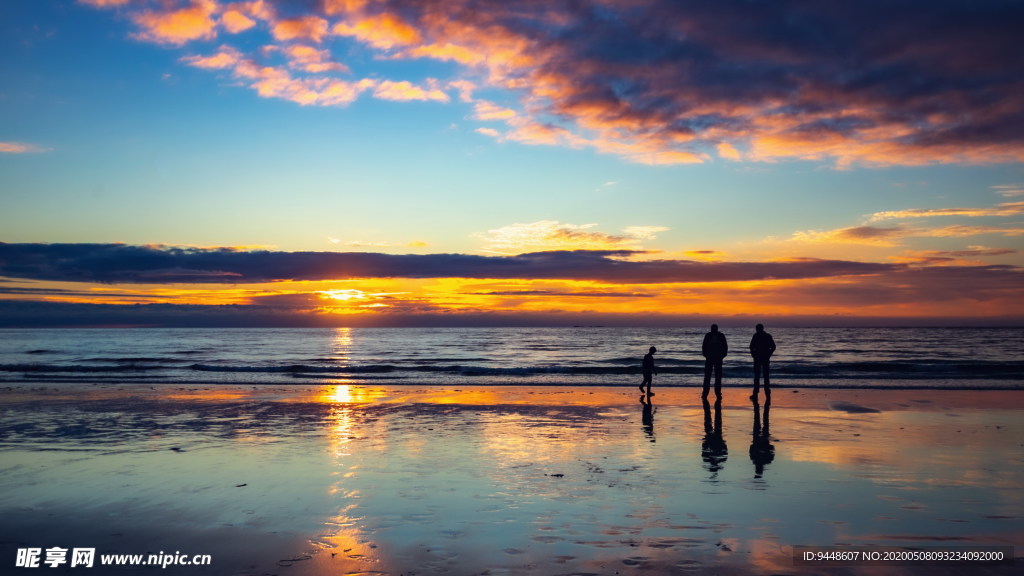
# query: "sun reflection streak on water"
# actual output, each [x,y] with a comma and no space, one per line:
[346,543]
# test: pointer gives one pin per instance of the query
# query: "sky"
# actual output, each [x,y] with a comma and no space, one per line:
[509,162]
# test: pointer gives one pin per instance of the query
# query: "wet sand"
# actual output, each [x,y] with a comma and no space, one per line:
[349,479]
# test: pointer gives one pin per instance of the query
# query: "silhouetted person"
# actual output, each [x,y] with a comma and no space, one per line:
[761,450]
[762,346]
[648,416]
[714,349]
[649,370]
[713,450]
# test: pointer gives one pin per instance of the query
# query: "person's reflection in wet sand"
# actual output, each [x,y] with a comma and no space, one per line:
[713,450]
[648,416]
[761,450]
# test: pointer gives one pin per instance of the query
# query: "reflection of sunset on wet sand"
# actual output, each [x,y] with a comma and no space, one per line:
[357,478]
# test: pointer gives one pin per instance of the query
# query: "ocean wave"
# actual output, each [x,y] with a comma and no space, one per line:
[895,370]
[51,368]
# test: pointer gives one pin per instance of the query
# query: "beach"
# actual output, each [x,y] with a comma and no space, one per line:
[361,479]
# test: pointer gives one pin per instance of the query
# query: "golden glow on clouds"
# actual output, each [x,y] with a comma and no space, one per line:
[382,31]
[866,295]
[407,91]
[194,22]
[547,235]
[235,21]
[897,234]
[1005,209]
[557,104]
[312,60]
[308,28]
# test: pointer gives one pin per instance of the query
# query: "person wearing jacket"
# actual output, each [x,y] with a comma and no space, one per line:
[714,349]
[762,346]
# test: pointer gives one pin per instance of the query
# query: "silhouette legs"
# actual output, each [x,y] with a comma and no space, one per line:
[759,366]
[711,364]
[647,382]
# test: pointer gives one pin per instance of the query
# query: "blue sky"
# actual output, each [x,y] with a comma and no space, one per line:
[678,131]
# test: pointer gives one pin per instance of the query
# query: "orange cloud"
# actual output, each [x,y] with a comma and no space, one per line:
[407,91]
[336,7]
[310,28]
[485,111]
[254,9]
[1005,209]
[446,52]
[959,231]
[422,285]
[194,22]
[226,57]
[894,236]
[705,255]
[867,235]
[235,21]
[312,60]
[848,151]
[728,151]
[276,82]
[382,31]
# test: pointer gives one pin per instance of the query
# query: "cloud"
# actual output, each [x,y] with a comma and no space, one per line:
[20,148]
[225,58]
[1005,209]
[279,81]
[870,83]
[119,263]
[235,21]
[1010,190]
[871,234]
[962,230]
[868,235]
[312,60]
[382,31]
[406,91]
[968,257]
[194,22]
[708,255]
[310,28]
[728,151]
[644,232]
[562,294]
[552,235]
[488,111]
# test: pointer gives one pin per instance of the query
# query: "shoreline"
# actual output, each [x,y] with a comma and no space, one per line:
[319,480]
[888,398]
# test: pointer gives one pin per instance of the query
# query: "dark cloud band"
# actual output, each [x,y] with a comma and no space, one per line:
[118,263]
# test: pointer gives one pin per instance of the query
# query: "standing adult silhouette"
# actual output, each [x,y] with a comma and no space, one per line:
[714,349]
[762,346]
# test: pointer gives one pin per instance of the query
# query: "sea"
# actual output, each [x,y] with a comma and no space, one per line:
[907,358]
